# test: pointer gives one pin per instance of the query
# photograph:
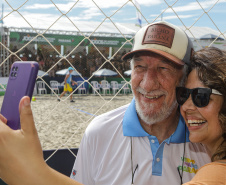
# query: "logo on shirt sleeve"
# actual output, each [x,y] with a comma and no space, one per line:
[74,172]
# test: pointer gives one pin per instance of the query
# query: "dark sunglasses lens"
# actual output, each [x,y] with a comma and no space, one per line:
[182,95]
[201,97]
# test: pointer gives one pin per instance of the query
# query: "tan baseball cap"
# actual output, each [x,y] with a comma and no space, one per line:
[164,39]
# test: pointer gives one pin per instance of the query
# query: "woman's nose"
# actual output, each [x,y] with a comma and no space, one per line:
[188,104]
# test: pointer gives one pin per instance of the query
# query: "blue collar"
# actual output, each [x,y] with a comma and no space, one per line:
[132,127]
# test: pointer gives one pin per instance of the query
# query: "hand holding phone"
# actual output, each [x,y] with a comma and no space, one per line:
[21,83]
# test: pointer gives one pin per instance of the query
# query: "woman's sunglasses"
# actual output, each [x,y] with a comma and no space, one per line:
[200,96]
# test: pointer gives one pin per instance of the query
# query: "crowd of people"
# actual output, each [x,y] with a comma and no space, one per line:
[84,63]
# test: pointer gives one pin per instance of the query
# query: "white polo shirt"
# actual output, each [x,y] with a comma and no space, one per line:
[105,156]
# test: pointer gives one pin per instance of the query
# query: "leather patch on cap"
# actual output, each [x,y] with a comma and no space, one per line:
[160,34]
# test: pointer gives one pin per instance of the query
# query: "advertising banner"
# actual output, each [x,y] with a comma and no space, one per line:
[23,38]
[67,40]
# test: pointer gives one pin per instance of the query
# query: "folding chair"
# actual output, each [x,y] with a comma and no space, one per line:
[105,86]
[54,86]
[125,87]
[81,87]
[41,87]
[95,87]
[114,87]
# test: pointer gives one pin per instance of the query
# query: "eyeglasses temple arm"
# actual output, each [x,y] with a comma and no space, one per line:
[214,91]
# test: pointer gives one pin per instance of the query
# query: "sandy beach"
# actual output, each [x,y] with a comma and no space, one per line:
[62,124]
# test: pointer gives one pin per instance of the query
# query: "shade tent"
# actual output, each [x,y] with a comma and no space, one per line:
[65,71]
[128,73]
[106,29]
[42,73]
[211,37]
[105,72]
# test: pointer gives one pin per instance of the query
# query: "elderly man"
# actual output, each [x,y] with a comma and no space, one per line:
[145,142]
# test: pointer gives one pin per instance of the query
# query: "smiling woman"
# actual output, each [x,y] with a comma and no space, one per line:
[203,106]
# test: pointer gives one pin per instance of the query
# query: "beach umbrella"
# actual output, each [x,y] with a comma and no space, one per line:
[210,37]
[41,73]
[128,73]
[105,72]
[65,71]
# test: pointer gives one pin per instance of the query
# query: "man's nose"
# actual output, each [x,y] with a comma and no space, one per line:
[150,80]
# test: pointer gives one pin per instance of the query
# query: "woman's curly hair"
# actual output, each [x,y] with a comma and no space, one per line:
[210,64]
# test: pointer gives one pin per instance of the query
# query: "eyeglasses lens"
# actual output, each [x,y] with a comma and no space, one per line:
[200,97]
[182,95]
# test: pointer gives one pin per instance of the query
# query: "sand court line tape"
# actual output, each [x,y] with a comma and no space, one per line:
[83,111]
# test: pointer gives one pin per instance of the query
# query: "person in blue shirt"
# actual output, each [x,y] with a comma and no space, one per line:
[68,83]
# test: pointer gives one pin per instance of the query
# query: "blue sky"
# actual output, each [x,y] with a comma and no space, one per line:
[37,12]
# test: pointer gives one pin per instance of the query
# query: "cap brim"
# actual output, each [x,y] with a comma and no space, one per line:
[162,53]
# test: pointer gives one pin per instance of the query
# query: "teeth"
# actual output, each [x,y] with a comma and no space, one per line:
[152,97]
[195,123]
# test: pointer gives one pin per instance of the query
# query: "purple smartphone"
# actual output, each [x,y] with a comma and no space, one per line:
[21,83]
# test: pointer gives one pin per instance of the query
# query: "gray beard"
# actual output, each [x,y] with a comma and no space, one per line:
[151,119]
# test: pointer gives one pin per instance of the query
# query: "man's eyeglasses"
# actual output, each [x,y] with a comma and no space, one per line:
[200,96]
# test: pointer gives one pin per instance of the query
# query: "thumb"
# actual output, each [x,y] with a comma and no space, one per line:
[26,117]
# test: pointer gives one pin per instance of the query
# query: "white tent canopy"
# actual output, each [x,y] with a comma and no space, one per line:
[128,73]
[65,71]
[105,72]
[211,37]
[107,29]
[41,73]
